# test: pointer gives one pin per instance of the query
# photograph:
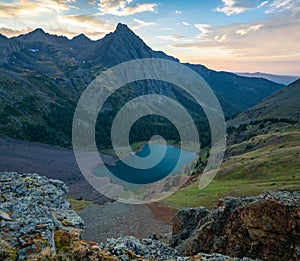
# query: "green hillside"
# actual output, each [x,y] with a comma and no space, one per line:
[266,161]
[282,104]
[263,153]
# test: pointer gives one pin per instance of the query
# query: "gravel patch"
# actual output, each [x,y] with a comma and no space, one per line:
[52,162]
[116,219]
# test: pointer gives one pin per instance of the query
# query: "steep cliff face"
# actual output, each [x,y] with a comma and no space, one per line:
[266,227]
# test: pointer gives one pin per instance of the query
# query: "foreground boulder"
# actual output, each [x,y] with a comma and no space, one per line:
[265,227]
[32,209]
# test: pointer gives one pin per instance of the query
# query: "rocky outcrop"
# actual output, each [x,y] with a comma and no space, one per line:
[151,248]
[130,248]
[37,224]
[185,222]
[32,209]
[265,227]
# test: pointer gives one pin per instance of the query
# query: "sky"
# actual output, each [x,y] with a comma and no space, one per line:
[229,35]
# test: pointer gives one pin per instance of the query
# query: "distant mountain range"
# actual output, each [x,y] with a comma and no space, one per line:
[282,79]
[283,104]
[42,77]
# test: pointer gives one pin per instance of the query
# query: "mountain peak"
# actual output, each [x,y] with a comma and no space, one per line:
[38,31]
[36,35]
[39,35]
[122,27]
[81,38]
[124,45]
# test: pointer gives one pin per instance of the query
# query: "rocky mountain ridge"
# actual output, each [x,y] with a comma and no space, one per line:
[42,77]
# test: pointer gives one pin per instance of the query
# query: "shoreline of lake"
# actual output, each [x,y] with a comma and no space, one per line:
[174,160]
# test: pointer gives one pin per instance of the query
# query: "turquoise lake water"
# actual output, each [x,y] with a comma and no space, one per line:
[167,166]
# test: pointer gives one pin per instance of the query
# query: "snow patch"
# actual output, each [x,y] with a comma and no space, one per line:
[34,50]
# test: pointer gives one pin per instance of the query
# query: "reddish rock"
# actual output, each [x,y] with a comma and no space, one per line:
[265,227]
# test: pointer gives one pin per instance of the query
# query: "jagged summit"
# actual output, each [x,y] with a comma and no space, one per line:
[81,37]
[122,30]
[38,31]
[39,35]
[121,26]
[123,45]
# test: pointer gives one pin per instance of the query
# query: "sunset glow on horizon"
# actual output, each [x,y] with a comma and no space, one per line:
[229,35]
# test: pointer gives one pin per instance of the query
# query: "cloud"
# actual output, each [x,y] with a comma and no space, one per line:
[185,23]
[91,20]
[178,12]
[245,31]
[270,45]
[167,29]
[123,7]
[263,4]
[285,5]
[173,38]
[272,39]
[203,28]
[221,38]
[27,8]
[91,25]
[10,32]
[141,23]
[231,7]
[91,2]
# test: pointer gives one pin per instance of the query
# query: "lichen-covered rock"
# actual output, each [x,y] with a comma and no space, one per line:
[213,257]
[7,252]
[32,208]
[128,248]
[265,227]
